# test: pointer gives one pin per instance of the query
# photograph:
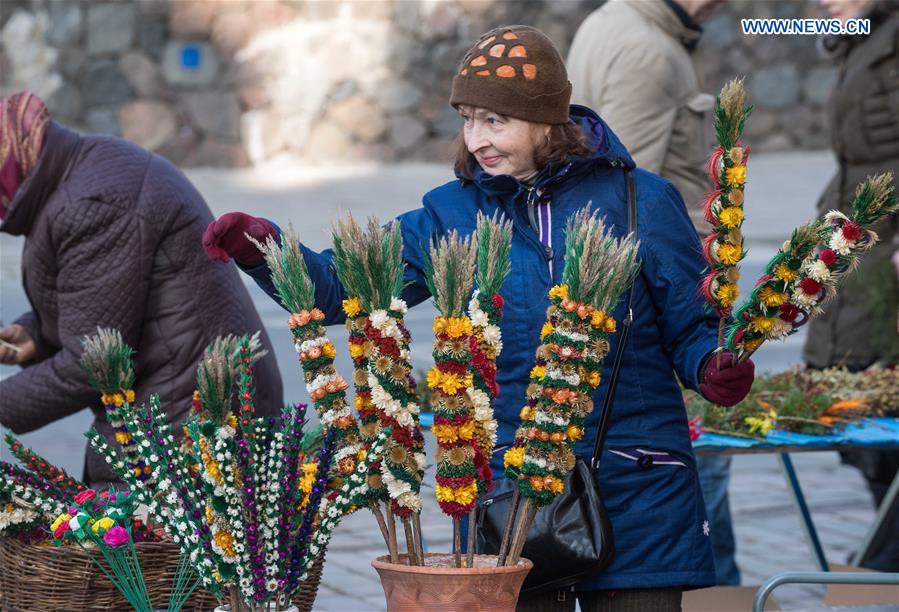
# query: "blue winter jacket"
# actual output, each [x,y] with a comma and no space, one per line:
[656,508]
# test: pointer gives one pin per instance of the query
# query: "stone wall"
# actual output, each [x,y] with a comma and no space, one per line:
[236,82]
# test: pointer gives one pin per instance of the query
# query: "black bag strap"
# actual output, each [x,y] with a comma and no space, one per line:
[605,418]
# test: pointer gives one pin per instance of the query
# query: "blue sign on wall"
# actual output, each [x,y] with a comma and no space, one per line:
[191,57]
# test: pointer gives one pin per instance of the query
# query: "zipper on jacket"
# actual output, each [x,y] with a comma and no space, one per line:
[532,219]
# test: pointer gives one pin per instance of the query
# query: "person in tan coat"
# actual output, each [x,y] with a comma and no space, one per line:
[633,63]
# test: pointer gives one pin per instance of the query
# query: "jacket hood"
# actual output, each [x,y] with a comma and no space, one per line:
[607,149]
[668,18]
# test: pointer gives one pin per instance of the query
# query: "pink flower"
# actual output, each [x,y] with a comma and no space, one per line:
[85,496]
[117,536]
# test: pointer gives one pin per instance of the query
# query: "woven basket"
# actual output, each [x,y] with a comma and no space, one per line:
[36,578]
[309,587]
[43,577]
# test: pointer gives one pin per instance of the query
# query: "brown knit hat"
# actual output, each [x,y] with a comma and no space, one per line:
[515,71]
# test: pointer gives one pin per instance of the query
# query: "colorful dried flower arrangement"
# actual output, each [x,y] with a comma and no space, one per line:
[239,497]
[723,248]
[34,492]
[102,523]
[806,271]
[811,402]
[370,266]
[449,273]
[599,268]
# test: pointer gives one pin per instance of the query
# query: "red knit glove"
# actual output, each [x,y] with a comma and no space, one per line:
[729,384]
[224,238]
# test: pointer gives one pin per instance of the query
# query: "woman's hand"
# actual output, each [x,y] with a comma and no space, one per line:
[729,384]
[224,238]
[16,345]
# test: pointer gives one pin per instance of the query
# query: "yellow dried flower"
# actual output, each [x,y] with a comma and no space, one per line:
[727,294]
[730,217]
[729,254]
[559,291]
[761,325]
[783,272]
[514,457]
[546,330]
[352,307]
[457,327]
[735,176]
[609,326]
[771,298]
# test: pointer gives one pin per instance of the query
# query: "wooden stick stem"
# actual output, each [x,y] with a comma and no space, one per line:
[375,508]
[472,530]
[410,542]
[521,533]
[507,531]
[391,531]
[419,543]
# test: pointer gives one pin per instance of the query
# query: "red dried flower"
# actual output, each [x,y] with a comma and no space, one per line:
[851,231]
[828,256]
[788,312]
[498,302]
[810,286]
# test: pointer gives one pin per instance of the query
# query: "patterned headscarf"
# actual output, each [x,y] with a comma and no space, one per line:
[23,125]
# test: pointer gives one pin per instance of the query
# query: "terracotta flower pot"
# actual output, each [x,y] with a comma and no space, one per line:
[440,586]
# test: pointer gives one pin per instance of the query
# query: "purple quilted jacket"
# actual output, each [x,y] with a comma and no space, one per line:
[113,240]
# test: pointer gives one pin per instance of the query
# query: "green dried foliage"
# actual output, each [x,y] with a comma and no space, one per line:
[219,370]
[494,246]
[874,199]
[449,273]
[288,270]
[107,361]
[731,113]
[370,263]
[348,242]
[598,266]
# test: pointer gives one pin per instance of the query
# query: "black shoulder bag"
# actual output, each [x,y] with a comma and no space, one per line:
[571,538]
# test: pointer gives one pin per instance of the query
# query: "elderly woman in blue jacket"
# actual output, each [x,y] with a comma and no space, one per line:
[525,152]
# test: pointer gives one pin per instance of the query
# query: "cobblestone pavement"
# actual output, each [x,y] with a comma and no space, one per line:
[768,532]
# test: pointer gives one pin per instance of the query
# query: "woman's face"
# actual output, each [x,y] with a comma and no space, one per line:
[846,9]
[502,145]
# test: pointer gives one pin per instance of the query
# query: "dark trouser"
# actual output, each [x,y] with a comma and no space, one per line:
[622,600]
[879,468]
